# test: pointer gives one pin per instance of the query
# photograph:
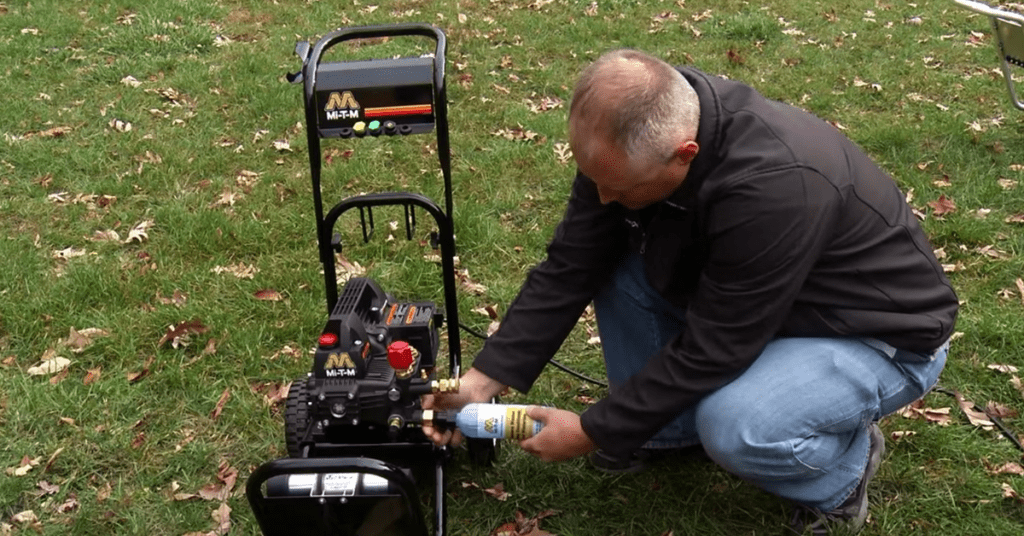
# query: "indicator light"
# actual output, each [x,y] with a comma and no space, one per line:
[374,125]
[328,339]
[359,128]
[390,127]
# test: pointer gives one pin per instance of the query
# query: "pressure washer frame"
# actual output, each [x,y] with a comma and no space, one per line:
[347,89]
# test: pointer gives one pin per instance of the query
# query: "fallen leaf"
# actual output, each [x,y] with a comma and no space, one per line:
[268,294]
[69,253]
[273,393]
[1005,369]
[916,410]
[1012,468]
[139,233]
[26,517]
[179,333]
[177,299]
[78,341]
[222,517]
[45,488]
[498,492]
[977,418]
[133,377]
[92,376]
[734,57]
[1000,411]
[26,465]
[240,270]
[139,440]
[119,125]
[563,153]
[900,434]
[50,366]
[943,205]
[220,403]
[70,505]
[1010,493]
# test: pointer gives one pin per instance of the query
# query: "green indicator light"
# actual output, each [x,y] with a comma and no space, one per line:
[359,127]
[374,125]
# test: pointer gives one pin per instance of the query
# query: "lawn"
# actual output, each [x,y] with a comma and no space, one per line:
[161,284]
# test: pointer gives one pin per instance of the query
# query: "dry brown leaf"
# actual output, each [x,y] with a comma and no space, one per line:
[23,467]
[1001,411]
[59,377]
[133,377]
[268,294]
[220,403]
[78,341]
[91,376]
[1010,493]
[54,365]
[916,410]
[178,334]
[222,517]
[240,270]
[1005,369]
[943,205]
[977,418]
[177,299]
[139,233]
[1011,468]
[70,505]
[45,488]
[1015,381]
[140,438]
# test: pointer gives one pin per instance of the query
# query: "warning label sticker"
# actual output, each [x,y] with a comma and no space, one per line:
[343,484]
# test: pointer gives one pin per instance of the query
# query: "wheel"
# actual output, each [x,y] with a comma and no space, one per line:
[296,417]
[483,452]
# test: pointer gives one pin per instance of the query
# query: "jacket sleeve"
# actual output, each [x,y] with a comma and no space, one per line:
[764,235]
[588,243]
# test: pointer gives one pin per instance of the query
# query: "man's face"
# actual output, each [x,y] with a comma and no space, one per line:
[632,185]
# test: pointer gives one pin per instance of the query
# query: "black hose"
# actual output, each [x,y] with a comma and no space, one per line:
[557,365]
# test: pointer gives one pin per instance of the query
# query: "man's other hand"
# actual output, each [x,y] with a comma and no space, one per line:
[561,438]
[474,386]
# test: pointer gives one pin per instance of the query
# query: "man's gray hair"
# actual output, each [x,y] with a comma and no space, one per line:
[646,112]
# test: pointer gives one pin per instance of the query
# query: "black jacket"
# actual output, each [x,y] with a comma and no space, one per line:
[783,227]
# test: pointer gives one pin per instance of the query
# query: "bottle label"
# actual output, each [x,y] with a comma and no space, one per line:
[517,424]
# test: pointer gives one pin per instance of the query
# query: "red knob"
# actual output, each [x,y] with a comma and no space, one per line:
[400,355]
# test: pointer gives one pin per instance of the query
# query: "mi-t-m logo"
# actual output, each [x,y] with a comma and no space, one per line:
[339,365]
[342,105]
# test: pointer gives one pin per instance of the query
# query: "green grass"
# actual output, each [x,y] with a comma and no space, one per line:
[203,113]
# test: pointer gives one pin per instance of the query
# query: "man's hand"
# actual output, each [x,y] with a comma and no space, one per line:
[561,438]
[474,386]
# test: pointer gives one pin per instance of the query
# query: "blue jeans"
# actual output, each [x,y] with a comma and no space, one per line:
[796,422]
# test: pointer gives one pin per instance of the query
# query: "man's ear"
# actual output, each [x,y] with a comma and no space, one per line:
[688,151]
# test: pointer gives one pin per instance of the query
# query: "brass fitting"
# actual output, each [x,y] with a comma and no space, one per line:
[428,417]
[395,422]
[445,386]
